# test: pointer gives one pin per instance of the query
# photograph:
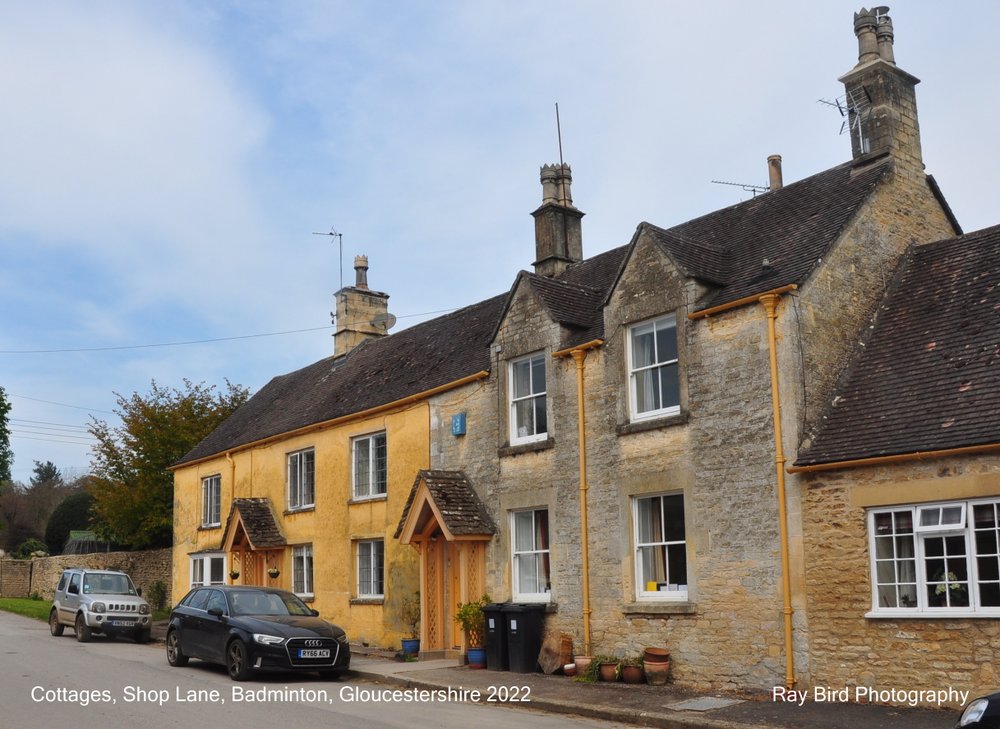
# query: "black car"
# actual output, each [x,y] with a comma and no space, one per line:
[983,712]
[254,628]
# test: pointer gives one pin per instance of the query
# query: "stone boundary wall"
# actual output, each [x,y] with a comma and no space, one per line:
[15,578]
[23,578]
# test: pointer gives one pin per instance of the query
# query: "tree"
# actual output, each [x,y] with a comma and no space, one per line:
[72,514]
[46,473]
[6,454]
[133,490]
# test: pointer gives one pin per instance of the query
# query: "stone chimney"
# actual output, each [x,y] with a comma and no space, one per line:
[774,172]
[558,232]
[881,96]
[358,311]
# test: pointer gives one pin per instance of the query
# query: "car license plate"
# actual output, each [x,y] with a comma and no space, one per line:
[314,653]
[122,623]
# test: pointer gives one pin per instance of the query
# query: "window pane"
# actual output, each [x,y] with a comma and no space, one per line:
[648,520]
[653,565]
[986,542]
[538,375]
[666,342]
[523,531]
[985,515]
[217,569]
[522,378]
[903,521]
[677,564]
[527,567]
[647,395]
[362,466]
[643,346]
[673,509]
[381,469]
[523,421]
[540,422]
[952,515]
[670,391]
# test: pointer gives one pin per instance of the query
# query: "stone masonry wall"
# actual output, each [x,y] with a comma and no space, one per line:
[15,578]
[144,568]
[847,649]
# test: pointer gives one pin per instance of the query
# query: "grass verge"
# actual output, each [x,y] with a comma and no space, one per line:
[26,606]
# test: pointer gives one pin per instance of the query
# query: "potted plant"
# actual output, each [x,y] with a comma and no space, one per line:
[473,621]
[273,573]
[608,667]
[234,574]
[631,669]
[411,617]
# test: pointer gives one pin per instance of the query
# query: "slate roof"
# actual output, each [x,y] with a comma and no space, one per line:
[928,377]
[793,228]
[462,510]
[379,371]
[258,521]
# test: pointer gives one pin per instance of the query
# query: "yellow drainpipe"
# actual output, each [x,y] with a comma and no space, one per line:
[579,355]
[770,303]
[769,300]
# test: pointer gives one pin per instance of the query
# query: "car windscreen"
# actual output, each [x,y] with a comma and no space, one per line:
[107,585]
[258,602]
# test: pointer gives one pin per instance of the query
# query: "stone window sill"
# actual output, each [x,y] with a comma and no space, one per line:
[367,601]
[516,450]
[303,510]
[209,527]
[656,609]
[641,426]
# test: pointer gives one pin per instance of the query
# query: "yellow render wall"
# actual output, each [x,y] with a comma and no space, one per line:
[332,527]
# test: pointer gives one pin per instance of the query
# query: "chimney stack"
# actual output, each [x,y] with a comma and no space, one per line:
[881,97]
[558,231]
[357,310]
[774,172]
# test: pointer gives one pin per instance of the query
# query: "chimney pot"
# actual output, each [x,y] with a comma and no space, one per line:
[865,24]
[361,272]
[774,172]
[885,36]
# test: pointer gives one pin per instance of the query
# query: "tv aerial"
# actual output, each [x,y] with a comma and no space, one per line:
[744,186]
[340,251]
[855,106]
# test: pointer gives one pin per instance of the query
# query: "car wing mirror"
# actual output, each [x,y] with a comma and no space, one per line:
[315,612]
[217,612]
[73,590]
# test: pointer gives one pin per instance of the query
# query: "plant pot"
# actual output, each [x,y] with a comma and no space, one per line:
[656,655]
[569,669]
[582,664]
[234,575]
[632,674]
[273,574]
[608,672]
[410,646]
[476,657]
[657,672]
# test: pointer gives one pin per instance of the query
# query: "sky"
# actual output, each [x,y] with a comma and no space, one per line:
[164,166]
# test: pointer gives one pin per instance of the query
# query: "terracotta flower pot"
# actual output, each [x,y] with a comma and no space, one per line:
[657,672]
[569,669]
[656,655]
[632,674]
[608,672]
[582,664]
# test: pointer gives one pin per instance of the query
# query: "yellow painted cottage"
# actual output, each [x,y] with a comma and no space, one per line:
[302,488]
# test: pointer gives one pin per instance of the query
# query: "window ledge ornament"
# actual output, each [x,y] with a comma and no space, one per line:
[516,450]
[641,426]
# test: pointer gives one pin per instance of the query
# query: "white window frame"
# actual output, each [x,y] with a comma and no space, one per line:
[668,321]
[211,501]
[674,591]
[914,545]
[302,570]
[534,552]
[367,589]
[368,489]
[200,569]
[301,479]
[533,395]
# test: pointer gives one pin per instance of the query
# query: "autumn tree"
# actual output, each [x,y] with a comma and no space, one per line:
[133,490]
[72,513]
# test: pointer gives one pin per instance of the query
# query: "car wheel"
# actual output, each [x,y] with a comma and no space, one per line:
[55,627]
[83,631]
[141,636]
[238,661]
[174,655]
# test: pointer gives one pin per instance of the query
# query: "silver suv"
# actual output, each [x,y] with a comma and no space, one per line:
[101,601]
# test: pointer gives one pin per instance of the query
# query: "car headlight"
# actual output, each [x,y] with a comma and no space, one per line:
[974,712]
[97,607]
[144,609]
[342,638]
[265,639]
